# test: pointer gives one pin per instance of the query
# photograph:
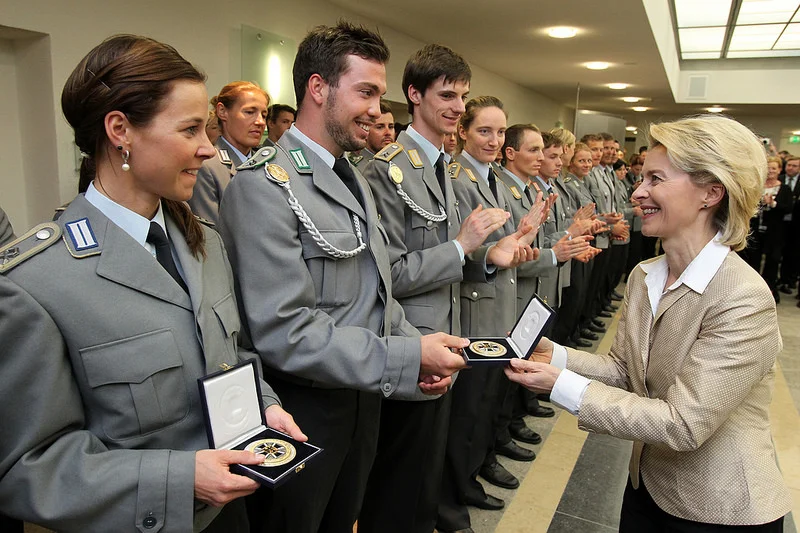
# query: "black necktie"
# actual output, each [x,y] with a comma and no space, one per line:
[158,238]
[493,185]
[440,171]
[348,177]
[528,194]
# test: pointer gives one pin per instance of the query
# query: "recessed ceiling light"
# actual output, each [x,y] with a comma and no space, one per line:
[597,65]
[640,109]
[562,32]
[715,109]
[630,128]
[618,86]
[631,99]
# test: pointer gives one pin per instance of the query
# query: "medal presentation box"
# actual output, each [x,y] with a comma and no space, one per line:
[529,328]
[235,420]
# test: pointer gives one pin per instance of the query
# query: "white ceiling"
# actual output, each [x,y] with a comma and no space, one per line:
[508,37]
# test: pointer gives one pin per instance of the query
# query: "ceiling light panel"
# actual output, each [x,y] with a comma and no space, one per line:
[562,32]
[766,11]
[760,37]
[597,65]
[701,39]
[762,53]
[631,99]
[618,86]
[693,14]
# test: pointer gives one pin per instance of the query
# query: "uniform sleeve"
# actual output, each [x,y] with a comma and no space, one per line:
[475,267]
[277,299]
[206,195]
[56,473]
[413,271]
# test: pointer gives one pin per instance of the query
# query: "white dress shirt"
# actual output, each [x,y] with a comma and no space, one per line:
[570,387]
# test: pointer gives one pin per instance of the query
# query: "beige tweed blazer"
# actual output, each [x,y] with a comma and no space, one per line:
[691,388]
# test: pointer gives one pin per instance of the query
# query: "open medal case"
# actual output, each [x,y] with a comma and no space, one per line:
[235,420]
[529,328]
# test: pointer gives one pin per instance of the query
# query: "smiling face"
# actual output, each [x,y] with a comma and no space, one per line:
[167,153]
[670,200]
[436,113]
[485,135]
[551,166]
[352,107]
[773,170]
[244,122]
[381,133]
[581,163]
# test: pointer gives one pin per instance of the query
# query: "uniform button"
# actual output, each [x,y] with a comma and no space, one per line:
[387,387]
[429,223]
[454,300]
[474,294]
[43,234]
[149,522]
[512,281]
[449,224]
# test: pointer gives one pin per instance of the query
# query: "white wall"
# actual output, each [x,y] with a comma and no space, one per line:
[13,197]
[207,33]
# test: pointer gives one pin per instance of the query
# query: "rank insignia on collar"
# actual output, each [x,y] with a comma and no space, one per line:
[299,159]
[515,192]
[80,231]
[224,157]
[355,158]
[471,175]
[413,156]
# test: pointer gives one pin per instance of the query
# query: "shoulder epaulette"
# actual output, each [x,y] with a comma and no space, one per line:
[262,156]
[454,169]
[389,151]
[355,158]
[30,244]
[205,222]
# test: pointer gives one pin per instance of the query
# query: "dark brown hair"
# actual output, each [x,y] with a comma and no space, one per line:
[133,75]
[428,65]
[514,136]
[325,49]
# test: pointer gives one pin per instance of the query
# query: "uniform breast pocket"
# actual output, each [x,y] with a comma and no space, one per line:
[334,279]
[137,383]
[425,229]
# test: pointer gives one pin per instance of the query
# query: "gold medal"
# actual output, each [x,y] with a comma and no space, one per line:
[488,348]
[396,174]
[277,173]
[276,452]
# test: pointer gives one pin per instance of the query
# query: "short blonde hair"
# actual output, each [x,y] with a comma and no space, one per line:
[717,149]
[775,159]
[566,137]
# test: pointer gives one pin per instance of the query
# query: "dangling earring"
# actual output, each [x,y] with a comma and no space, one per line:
[125,155]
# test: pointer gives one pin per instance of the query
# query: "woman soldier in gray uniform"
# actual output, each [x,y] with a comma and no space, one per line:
[241,109]
[110,315]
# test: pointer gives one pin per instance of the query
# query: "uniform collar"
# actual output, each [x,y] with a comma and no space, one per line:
[545,183]
[482,168]
[132,223]
[697,275]
[430,150]
[323,154]
[238,154]
[514,177]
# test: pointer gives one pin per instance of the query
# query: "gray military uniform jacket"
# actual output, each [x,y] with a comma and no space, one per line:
[528,273]
[488,308]
[313,318]
[601,186]
[212,179]
[426,265]
[550,287]
[361,158]
[102,350]
[623,203]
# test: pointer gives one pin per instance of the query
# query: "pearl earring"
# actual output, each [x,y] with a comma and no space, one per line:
[125,155]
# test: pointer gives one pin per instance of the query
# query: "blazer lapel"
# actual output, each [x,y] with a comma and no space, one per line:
[483,186]
[668,300]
